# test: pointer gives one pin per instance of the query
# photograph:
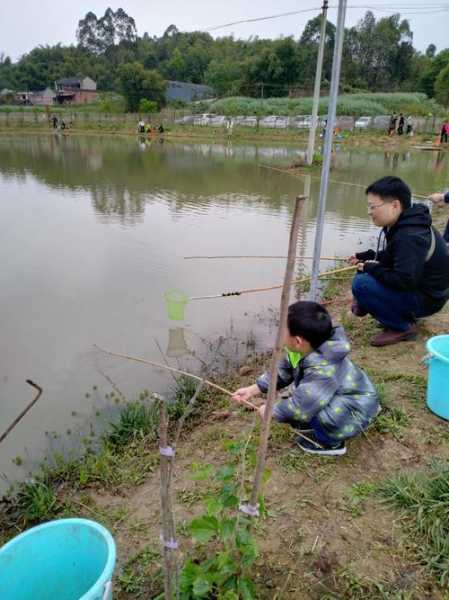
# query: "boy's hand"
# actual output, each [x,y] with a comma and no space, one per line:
[437,197]
[352,260]
[245,393]
[261,411]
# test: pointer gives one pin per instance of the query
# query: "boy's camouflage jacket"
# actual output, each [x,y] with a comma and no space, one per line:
[326,385]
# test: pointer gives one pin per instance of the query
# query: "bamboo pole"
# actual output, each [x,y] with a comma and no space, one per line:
[334,258]
[25,410]
[168,524]
[201,379]
[172,369]
[263,444]
[273,287]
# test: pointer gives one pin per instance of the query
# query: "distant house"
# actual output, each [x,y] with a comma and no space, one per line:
[40,98]
[44,98]
[187,92]
[74,90]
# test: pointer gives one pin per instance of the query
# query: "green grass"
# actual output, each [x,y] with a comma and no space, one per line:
[137,420]
[356,496]
[348,104]
[351,586]
[423,498]
[141,576]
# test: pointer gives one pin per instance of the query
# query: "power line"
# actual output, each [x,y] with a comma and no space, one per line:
[403,8]
[277,16]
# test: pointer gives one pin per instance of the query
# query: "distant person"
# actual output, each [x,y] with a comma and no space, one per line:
[392,124]
[438,198]
[54,120]
[401,124]
[161,129]
[407,277]
[409,123]
[323,131]
[141,126]
[332,399]
[444,132]
[62,124]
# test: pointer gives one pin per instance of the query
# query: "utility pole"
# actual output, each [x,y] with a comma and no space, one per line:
[316,89]
[333,97]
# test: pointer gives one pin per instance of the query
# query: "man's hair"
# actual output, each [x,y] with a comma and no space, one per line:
[391,188]
[311,321]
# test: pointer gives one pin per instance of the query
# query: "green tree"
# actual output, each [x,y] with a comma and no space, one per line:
[97,35]
[442,86]
[147,106]
[137,83]
[224,77]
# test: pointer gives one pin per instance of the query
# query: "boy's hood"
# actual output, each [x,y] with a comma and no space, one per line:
[333,350]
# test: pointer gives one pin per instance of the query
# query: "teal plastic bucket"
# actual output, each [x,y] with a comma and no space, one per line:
[438,380]
[70,559]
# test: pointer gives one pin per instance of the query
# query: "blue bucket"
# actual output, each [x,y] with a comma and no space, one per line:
[70,559]
[438,380]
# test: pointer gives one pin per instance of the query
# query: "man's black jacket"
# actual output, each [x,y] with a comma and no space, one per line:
[402,264]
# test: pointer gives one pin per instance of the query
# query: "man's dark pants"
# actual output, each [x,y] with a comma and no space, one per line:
[393,309]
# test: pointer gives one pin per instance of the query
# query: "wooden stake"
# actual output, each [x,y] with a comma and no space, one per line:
[263,444]
[168,524]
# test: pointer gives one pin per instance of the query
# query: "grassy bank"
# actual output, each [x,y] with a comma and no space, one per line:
[363,139]
[372,524]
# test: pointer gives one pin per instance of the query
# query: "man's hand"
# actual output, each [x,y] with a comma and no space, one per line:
[246,393]
[261,411]
[361,266]
[437,198]
[352,260]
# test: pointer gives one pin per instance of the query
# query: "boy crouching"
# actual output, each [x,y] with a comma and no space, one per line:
[332,399]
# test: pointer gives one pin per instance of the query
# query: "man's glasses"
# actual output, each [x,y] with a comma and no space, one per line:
[372,207]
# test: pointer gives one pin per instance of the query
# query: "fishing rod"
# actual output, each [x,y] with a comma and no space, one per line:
[273,287]
[192,376]
[334,258]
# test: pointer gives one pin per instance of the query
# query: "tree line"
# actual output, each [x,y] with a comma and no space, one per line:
[378,55]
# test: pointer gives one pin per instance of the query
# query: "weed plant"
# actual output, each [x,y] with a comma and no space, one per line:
[423,498]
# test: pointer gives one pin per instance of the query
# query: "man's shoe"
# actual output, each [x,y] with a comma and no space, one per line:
[321,450]
[357,310]
[390,337]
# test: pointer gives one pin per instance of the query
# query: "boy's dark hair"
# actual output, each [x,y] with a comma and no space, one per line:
[391,188]
[311,321]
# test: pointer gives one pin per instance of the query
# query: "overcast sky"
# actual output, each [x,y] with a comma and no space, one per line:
[25,24]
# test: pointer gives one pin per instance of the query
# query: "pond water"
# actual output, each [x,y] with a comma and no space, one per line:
[94,230]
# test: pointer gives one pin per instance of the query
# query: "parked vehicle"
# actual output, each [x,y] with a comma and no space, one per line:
[245,121]
[282,122]
[203,119]
[218,121]
[381,122]
[186,120]
[268,122]
[305,121]
[363,122]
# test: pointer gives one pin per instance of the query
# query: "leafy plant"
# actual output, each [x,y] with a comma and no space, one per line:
[227,547]
[356,496]
[424,499]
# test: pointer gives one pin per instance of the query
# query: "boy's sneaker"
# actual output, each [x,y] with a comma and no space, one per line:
[312,448]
